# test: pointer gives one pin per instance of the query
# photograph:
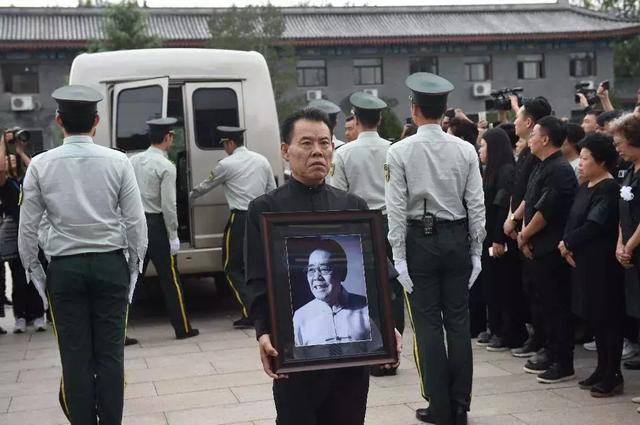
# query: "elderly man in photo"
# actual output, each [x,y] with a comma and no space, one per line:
[334,315]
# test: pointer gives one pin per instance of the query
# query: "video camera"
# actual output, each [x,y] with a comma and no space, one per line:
[19,134]
[590,94]
[500,99]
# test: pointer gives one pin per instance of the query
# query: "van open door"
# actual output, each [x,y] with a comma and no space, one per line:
[210,105]
[133,104]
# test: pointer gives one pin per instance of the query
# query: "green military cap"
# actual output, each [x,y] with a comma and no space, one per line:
[429,89]
[362,100]
[76,98]
[325,106]
[159,127]
[229,132]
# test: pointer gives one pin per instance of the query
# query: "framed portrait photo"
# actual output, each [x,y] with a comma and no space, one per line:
[328,288]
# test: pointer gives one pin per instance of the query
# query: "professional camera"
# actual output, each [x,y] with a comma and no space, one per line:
[19,134]
[500,99]
[590,94]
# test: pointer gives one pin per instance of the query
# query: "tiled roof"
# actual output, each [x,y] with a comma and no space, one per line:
[33,27]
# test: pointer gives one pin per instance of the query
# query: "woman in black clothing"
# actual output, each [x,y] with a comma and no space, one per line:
[589,246]
[500,254]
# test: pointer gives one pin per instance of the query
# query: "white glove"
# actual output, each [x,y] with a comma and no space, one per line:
[475,271]
[39,279]
[174,246]
[133,278]
[403,278]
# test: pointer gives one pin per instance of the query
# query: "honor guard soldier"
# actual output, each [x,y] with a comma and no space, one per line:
[358,169]
[332,110]
[245,176]
[90,196]
[435,205]
[156,177]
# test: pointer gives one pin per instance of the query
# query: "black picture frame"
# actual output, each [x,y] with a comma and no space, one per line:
[366,328]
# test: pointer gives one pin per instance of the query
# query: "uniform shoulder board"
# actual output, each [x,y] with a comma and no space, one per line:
[38,153]
[118,149]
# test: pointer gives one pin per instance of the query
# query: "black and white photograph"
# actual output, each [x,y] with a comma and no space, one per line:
[328,290]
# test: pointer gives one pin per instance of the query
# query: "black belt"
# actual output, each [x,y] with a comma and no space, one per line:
[239,211]
[439,222]
[88,254]
[153,214]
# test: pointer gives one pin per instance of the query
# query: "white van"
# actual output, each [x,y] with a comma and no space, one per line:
[202,88]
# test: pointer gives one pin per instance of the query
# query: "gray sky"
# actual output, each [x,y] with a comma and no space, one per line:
[223,3]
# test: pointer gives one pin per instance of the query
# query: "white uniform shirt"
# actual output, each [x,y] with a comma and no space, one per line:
[337,142]
[316,323]
[574,165]
[444,170]
[156,177]
[245,176]
[358,168]
[89,193]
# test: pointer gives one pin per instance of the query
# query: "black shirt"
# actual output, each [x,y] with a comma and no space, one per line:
[524,167]
[496,202]
[10,196]
[291,197]
[551,190]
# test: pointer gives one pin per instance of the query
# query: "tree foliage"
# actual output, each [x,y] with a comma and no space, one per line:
[626,52]
[391,126]
[260,29]
[125,28]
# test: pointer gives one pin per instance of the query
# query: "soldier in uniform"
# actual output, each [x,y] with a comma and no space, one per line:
[92,222]
[435,205]
[245,176]
[358,168]
[156,177]
[332,110]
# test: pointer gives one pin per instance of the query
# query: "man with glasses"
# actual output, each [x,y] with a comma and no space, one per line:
[334,315]
[156,177]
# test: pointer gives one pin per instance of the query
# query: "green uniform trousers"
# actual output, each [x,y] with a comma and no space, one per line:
[88,303]
[159,253]
[233,259]
[440,268]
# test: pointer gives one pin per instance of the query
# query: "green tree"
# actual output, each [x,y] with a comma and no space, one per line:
[125,28]
[626,52]
[260,29]
[391,126]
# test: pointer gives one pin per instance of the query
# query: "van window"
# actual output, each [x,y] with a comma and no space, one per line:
[213,107]
[135,107]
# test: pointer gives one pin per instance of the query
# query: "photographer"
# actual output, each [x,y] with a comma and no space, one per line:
[27,304]
[588,97]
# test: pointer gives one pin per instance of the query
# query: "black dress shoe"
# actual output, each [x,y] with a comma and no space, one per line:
[379,371]
[425,415]
[632,364]
[129,341]
[608,387]
[587,384]
[460,415]
[243,323]
[190,334]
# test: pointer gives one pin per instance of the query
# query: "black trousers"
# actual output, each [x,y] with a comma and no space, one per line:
[440,267]
[609,340]
[552,293]
[505,300]
[478,306]
[159,252]
[322,397]
[27,303]
[88,304]
[535,313]
[233,259]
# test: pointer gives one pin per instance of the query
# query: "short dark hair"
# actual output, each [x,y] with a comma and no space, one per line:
[595,112]
[369,118]
[602,149]
[308,114]
[575,133]
[336,252]
[510,129]
[156,137]
[554,129]
[349,118]
[77,122]
[607,116]
[464,129]
[628,126]
[431,107]
[537,108]
[238,139]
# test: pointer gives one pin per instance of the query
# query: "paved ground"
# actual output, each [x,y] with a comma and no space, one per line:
[216,379]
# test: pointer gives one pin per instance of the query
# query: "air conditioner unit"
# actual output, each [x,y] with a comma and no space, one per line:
[314,95]
[481,89]
[22,103]
[372,92]
[591,85]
